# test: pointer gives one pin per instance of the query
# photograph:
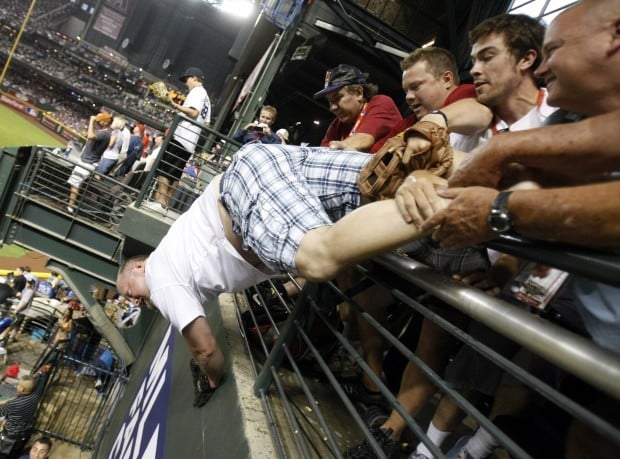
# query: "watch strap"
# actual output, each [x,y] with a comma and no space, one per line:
[499,211]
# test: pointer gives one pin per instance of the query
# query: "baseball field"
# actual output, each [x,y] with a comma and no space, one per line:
[16,129]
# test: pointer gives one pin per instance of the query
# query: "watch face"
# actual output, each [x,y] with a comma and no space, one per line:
[499,223]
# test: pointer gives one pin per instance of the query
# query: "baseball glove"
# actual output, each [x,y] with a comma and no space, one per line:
[160,90]
[386,171]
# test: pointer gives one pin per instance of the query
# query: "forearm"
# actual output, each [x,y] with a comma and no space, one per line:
[584,215]
[190,112]
[585,147]
[205,350]
[356,142]
[91,134]
[467,116]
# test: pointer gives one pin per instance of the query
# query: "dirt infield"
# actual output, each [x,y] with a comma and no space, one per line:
[35,260]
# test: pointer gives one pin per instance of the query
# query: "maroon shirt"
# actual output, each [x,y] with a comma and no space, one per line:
[380,117]
[464,91]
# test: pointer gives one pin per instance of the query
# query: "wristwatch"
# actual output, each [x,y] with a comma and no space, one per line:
[499,217]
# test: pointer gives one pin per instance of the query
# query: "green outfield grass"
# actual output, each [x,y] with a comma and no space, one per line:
[17,131]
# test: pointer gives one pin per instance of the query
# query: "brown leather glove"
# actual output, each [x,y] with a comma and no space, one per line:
[160,90]
[386,171]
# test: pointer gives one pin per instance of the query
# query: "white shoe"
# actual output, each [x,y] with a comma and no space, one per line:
[70,209]
[155,207]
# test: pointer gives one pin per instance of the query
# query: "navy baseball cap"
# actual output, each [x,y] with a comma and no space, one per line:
[340,76]
[192,72]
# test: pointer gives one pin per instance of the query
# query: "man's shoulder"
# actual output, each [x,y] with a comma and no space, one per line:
[382,100]
[198,92]
[464,91]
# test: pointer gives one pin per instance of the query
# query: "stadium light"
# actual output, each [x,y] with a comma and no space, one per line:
[239,8]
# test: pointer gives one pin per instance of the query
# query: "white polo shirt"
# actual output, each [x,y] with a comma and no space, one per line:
[194,263]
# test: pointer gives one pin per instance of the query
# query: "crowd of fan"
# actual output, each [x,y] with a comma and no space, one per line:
[79,68]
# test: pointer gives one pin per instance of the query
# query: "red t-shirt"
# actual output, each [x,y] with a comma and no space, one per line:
[381,115]
[464,91]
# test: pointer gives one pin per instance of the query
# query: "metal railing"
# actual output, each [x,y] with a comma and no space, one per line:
[314,430]
[81,393]
[102,199]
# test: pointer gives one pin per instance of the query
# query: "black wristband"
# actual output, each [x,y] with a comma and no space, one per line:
[439,112]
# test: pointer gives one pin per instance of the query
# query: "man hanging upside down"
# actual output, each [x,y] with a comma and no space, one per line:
[273,211]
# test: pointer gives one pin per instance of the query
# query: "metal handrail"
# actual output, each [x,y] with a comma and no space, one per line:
[569,351]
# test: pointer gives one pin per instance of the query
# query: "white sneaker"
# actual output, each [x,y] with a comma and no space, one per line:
[155,207]
[70,209]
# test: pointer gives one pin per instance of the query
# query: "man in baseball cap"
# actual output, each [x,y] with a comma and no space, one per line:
[363,116]
[192,72]
[197,107]
[339,76]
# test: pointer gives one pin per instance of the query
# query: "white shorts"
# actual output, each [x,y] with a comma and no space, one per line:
[80,173]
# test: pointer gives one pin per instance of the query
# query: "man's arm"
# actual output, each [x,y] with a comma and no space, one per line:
[190,112]
[356,142]
[587,215]
[91,134]
[584,147]
[204,348]
[465,116]
[25,300]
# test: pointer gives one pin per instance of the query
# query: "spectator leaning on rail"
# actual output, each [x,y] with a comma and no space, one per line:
[259,131]
[430,81]
[184,138]
[363,117]
[98,140]
[581,214]
[506,51]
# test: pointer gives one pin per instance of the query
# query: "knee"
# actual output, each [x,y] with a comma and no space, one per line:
[314,261]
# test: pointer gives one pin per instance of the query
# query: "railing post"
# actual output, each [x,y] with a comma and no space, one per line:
[287,333]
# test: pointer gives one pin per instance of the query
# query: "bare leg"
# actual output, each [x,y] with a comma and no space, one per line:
[73,195]
[375,301]
[161,195]
[434,348]
[368,231]
[448,414]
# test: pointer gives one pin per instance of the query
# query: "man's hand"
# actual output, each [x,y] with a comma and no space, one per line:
[336,144]
[463,222]
[417,199]
[481,280]
[414,146]
[493,280]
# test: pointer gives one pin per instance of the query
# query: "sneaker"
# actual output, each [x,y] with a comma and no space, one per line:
[155,206]
[458,451]
[358,393]
[70,209]
[416,455]
[364,451]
